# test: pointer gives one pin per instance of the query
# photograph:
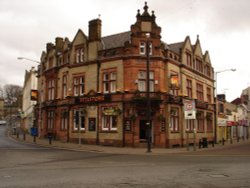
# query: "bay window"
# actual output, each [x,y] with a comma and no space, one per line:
[142,81]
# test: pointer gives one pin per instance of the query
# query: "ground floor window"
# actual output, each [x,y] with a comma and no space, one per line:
[109,119]
[79,119]
[51,115]
[64,120]
[190,124]
[174,119]
[209,119]
[200,121]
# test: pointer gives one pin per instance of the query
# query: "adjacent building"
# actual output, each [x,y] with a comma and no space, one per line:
[93,88]
[30,85]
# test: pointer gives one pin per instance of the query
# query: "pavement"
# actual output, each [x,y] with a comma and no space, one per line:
[44,142]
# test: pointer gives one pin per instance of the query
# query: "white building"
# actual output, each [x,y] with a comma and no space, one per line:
[30,83]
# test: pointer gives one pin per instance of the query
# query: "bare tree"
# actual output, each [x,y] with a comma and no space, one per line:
[1,92]
[12,94]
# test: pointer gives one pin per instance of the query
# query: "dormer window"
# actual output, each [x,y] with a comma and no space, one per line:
[143,48]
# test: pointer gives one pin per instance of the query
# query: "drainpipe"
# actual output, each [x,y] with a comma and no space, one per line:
[97,88]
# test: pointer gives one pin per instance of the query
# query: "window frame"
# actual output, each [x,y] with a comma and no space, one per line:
[79,85]
[109,81]
[174,119]
[142,81]
[109,122]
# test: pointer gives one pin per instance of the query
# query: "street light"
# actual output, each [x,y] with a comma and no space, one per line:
[216,106]
[148,124]
[40,102]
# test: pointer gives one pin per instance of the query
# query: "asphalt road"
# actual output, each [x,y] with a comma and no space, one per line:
[25,166]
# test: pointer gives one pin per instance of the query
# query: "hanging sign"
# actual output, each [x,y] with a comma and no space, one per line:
[189,109]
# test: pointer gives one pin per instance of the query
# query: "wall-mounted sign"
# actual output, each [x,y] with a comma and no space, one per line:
[189,109]
[92,99]
[174,81]
[163,126]
[34,95]
[127,125]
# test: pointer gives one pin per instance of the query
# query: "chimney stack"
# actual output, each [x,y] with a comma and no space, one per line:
[95,27]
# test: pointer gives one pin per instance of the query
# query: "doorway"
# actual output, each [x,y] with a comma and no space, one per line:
[143,130]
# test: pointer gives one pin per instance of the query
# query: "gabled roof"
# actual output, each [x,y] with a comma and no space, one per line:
[115,41]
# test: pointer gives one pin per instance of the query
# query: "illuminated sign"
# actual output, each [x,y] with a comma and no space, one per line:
[34,95]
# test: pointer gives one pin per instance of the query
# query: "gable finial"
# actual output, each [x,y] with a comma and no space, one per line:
[145,7]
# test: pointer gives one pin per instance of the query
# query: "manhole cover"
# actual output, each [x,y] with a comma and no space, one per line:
[218,175]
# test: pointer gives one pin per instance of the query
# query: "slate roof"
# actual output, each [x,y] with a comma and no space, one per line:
[175,47]
[116,40]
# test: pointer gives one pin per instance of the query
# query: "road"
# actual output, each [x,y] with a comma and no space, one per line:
[26,166]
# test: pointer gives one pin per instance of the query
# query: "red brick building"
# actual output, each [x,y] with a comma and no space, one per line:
[93,88]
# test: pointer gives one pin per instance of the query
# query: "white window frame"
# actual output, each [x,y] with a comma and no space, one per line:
[143,48]
[81,120]
[109,82]
[142,81]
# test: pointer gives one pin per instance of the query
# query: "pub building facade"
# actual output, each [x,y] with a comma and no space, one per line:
[93,88]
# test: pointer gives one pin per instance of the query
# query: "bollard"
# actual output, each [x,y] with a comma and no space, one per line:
[223,141]
[34,139]
[24,136]
[212,143]
[238,139]
[17,135]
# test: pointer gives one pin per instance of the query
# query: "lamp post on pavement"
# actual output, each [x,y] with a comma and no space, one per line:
[216,101]
[40,102]
[148,124]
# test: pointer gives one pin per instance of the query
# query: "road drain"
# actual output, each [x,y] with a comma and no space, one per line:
[218,175]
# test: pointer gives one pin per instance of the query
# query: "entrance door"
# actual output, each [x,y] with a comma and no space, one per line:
[143,130]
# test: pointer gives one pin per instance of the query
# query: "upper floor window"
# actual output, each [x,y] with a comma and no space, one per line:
[143,48]
[142,78]
[199,66]
[207,71]
[79,55]
[60,60]
[199,91]
[189,88]
[66,58]
[221,108]
[64,86]
[209,95]
[189,59]
[79,85]
[51,90]
[109,82]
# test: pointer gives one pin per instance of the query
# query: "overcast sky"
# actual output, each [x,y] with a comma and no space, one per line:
[223,27]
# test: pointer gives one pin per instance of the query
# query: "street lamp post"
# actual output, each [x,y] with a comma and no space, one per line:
[148,124]
[40,102]
[216,106]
